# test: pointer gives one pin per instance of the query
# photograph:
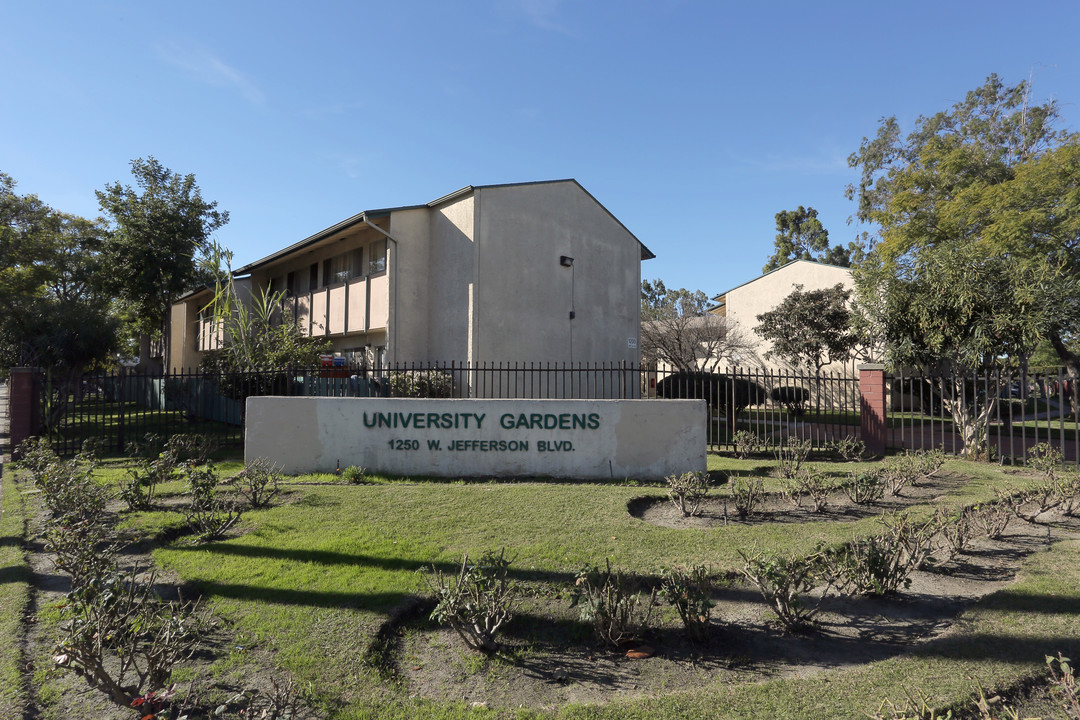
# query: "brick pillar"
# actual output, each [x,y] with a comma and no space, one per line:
[872,405]
[24,406]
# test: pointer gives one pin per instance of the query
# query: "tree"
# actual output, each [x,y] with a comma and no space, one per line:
[57,314]
[962,275]
[676,328]
[810,329]
[260,340]
[801,236]
[159,233]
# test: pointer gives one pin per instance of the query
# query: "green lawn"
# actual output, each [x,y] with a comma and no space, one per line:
[313,580]
[14,594]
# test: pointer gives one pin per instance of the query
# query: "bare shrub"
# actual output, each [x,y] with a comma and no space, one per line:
[476,602]
[1045,459]
[607,600]
[748,443]
[898,472]
[956,529]
[883,563]
[848,448]
[992,519]
[687,491]
[783,581]
[1063,684]
[865,488]
[790,455]
[689,591]
[746,494]
[927,463]
[810,483]
[124,640]
[259,482]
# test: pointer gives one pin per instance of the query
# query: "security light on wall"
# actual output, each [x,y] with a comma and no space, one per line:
[566,261]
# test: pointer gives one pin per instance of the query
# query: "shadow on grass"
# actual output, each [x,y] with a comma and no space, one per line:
[14,573]
[323,557]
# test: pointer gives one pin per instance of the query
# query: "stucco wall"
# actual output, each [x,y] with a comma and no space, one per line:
[589,439]
[524,296]
[763,294]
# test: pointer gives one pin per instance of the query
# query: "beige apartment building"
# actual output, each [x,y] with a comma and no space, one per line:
[528,272]
[742,304]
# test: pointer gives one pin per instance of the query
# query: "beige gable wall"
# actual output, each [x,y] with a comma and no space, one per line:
[746,302]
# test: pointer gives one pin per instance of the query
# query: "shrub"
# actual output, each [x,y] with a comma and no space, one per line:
[476,602]
[83,549]
[608,601]
[209,515]
[927,463]
[849,448]
[991,519]
[865,488]
[193,448]
[122,639]
[881,564]
[746,493]
[809,483]
[783,580]
[1046,495]
[354,474]
[258,482]
[689,591]
[138,489]
[687,491]
[794,399]
[790,455]
[1063,684]
[956,528]
[69,490]
[1046,459]
[421,384]
[35,454]
[898,472]
[748,443]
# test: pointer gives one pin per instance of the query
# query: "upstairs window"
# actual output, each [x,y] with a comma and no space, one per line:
[377,257]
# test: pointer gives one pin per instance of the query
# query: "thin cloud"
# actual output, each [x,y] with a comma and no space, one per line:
[212,70]
[542,14]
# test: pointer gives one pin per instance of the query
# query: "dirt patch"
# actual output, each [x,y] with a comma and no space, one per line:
[718,510]
[550,658]
[57,692]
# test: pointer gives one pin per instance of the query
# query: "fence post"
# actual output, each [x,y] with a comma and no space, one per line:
[872,407]
[24,407]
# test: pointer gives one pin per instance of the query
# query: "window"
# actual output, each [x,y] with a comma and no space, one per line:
[313,276]
[377,255]
[290,284]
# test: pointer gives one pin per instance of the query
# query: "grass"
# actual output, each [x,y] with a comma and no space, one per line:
[14,596]
[314,579]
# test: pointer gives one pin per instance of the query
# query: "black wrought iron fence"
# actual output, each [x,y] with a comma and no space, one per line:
[999,415]
[1012,410]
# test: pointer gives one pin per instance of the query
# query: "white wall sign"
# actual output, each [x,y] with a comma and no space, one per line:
[588,439]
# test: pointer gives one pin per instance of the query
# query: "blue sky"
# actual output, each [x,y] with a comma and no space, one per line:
[693,122]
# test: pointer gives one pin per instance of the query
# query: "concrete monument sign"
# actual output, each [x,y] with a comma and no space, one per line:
[587,439]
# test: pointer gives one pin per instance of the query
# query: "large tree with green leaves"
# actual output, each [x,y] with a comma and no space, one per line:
[677,329]
[57,313]
[810,329]
[972,261]
[160,230]
[801,236]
